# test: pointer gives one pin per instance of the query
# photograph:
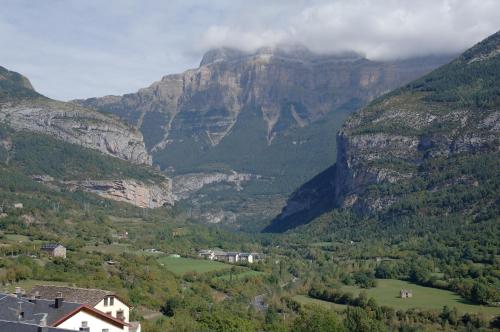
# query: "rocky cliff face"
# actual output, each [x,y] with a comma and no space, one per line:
[131,191]
[424,139]
[78,126]
[289,88]
[22,108]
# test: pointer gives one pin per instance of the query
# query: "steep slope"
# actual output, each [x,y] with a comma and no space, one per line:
[25,109]
[269,114]
[72,148]
[430,148]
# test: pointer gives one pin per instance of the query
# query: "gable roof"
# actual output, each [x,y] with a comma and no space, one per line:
[74,294]
[71,294]
[97,313]
[51,246]
[33,312]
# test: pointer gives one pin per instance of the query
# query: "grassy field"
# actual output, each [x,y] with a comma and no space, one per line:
[387,293]
[305,300]
[183,265]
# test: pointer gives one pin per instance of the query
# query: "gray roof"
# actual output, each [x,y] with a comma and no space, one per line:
[71,294]
[33,312]
[8,326]
[51,246]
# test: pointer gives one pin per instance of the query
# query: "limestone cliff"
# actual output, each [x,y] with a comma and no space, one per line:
[22,108]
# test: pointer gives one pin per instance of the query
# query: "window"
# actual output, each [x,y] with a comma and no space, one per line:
[111,300]
[120,315]
[105,330]
[85,324]
[110,313]
[105,301]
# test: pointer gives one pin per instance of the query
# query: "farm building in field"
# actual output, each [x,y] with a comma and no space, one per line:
[405,293]
[54,250]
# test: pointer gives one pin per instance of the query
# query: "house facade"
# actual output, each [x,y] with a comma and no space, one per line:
[405,293]
[54,250]
[106,302]
[86,318]
[33,314]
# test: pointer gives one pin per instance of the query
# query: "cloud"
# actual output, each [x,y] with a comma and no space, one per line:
[75,49]
[379,29]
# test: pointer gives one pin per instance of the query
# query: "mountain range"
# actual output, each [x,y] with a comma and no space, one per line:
[243,130]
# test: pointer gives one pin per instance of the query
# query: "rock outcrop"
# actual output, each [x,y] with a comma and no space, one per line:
[78,126]
[186,185]
[131,191]
[22,108]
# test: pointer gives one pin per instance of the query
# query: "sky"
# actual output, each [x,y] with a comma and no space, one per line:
[86,48]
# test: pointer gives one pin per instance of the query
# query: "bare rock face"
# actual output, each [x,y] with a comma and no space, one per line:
[144,195]
[290,88]
[185,185]
[76,125]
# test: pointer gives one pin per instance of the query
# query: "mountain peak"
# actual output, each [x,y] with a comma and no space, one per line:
[487,48]
[221,54]
[15,84]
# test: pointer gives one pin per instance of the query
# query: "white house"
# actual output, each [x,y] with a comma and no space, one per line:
[246,257]
[86,318]
[21,313]
[101,300]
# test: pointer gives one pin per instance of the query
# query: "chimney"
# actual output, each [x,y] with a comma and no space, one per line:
[59,300]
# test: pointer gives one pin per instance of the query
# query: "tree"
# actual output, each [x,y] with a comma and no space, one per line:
[318,319]
[358,320]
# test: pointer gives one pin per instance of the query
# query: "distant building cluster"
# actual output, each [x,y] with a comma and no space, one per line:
[228,256]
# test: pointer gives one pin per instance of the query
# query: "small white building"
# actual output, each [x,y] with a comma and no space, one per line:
[246,257]
[18,205]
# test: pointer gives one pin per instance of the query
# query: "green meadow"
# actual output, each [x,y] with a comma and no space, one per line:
[181,265]
[387,293]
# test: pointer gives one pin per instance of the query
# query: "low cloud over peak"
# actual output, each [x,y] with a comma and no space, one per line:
[75,49]
[382,29]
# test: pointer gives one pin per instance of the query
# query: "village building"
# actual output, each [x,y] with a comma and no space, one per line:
[18,205]
[101,300]
[54,250]
[34,314]
[405,294]
[246,257]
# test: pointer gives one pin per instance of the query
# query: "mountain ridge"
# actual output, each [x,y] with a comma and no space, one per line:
[391,150]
